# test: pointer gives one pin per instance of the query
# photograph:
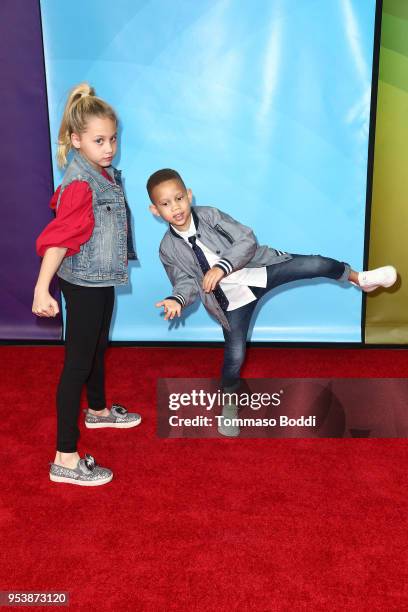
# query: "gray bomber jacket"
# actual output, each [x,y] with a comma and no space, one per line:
[235,244]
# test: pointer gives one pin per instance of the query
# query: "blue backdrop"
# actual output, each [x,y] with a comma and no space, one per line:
[262,107]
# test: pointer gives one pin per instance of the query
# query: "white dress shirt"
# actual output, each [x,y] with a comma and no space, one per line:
[235,285]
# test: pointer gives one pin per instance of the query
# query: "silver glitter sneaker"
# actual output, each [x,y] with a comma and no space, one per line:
[86,474]
[119,417]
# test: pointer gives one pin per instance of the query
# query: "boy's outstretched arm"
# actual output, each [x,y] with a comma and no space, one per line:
[185,289]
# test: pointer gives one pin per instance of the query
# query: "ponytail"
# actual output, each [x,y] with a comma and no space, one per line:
[82,104]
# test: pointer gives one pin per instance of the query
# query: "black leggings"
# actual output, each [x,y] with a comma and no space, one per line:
[89,313]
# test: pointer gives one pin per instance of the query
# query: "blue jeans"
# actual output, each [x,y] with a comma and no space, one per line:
[298,268]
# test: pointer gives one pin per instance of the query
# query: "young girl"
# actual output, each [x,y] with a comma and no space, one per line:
[88,245]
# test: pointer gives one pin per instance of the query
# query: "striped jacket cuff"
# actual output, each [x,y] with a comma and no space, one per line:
[225,265]
[178,297]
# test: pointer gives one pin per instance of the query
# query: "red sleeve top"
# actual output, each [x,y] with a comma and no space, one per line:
[74,221]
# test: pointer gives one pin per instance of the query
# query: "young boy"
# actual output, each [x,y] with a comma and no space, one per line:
[207,254]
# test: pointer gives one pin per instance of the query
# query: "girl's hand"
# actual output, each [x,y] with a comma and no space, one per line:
[44,304]
[212,278]
[171,308]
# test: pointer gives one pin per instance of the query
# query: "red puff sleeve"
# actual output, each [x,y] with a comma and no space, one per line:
[74,222]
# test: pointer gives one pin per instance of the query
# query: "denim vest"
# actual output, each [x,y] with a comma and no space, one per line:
[102,261]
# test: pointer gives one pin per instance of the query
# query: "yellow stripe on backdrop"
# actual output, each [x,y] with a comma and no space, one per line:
[386,311]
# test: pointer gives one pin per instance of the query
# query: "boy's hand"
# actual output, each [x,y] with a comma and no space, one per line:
[212,278]
[44,304]
[171,308]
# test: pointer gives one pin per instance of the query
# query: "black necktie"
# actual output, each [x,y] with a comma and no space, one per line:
[205,266]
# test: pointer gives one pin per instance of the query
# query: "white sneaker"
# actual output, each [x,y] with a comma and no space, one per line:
[379,277]
[227,427]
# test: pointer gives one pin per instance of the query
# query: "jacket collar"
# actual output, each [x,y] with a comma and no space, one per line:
[196,222]
[102,181]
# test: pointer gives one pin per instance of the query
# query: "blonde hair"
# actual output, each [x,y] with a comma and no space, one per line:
[82,104]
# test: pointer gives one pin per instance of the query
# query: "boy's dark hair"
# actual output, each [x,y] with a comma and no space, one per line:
[160,176]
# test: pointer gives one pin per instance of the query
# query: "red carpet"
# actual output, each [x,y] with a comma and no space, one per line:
[202,524]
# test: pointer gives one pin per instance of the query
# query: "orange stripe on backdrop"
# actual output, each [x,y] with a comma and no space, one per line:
[386,311]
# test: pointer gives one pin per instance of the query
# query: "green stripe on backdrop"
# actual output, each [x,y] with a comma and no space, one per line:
[393,71]
[394,34]
[386,311]
[397,8]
